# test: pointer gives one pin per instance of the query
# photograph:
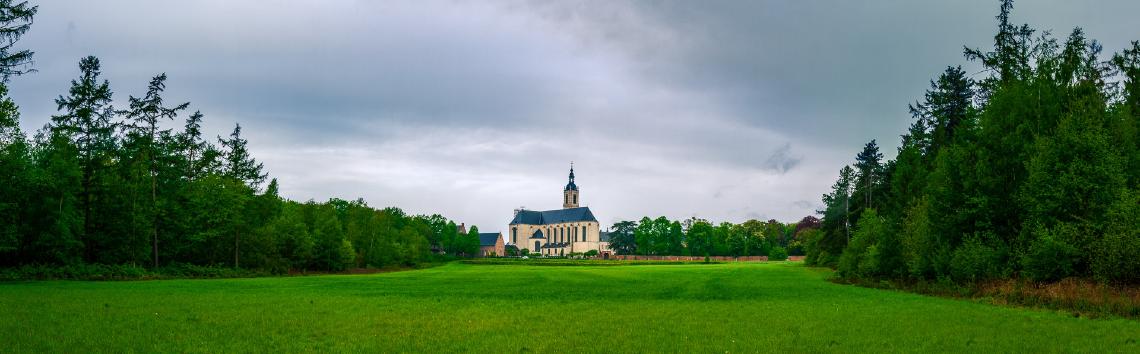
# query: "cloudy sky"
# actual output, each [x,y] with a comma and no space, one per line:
[726,110]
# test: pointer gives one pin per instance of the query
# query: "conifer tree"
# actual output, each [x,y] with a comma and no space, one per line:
[145,114]
[15,165]
[239,164]
[85,122]
[15,20]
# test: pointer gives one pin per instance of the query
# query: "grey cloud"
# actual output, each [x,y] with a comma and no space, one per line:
[804,204]
[782,160]
[471,109]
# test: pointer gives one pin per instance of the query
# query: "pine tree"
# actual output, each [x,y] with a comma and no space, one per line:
[86,122]
[193,148]
[146,114]
[870,167]
[15,167]
[1126,126]
[239,164]
[15,21]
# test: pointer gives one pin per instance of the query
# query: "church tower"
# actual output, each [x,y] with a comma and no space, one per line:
[570,193]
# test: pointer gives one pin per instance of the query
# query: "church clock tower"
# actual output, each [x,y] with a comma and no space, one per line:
[570,193]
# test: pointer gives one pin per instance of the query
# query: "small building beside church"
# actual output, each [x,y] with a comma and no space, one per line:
[491,244]
[559,231]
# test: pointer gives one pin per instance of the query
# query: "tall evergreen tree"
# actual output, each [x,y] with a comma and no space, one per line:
[145,115]
[15,169]
[239,164]
[870,167]
[85,121]
[15,20]
[1126,126]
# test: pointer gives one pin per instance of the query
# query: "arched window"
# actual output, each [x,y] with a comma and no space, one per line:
[584,234]
[515,235]
[575,199]
[536,248]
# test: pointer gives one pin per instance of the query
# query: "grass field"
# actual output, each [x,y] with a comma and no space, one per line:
[733,307]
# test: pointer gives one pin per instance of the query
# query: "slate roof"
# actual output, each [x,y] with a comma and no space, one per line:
[537,234]
[531,217]
[489,238]
[604,236]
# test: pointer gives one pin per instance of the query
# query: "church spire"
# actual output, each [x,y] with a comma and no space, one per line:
[570,193]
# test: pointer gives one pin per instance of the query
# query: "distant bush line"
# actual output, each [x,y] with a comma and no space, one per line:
[695,237]
[574,262]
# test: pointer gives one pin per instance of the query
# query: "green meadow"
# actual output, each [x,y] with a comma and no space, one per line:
[732,307]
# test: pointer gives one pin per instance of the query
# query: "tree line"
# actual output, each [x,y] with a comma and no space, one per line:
[699,237]
[1032,171]
[101,184]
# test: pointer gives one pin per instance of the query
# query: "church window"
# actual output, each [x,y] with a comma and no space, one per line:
[584,233]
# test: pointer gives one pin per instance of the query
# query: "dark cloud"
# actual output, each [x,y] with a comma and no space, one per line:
[782,160]
[727,109]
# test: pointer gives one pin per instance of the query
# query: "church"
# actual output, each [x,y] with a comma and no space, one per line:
[560,231]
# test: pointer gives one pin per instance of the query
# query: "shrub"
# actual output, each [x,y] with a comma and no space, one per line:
[921,248]
[775,254]
[813,254]
[1117,254]
[1050,258]
[857,260]
[591,253]
[120,272]
[975,261]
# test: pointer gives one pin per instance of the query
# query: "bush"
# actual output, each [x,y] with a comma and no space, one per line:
[869,264]
[813,253]
[924,253]
[862,256]
[1050,258]
[776,254]
[120,272]
[1117,255]
[975,261]
[591,253]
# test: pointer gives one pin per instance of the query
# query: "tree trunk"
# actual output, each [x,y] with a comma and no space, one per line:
[154,218]
[237,238]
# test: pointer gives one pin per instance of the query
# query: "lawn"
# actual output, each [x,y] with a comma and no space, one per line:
[732,307]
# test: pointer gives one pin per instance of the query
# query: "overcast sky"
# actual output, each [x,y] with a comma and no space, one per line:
[725,110]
